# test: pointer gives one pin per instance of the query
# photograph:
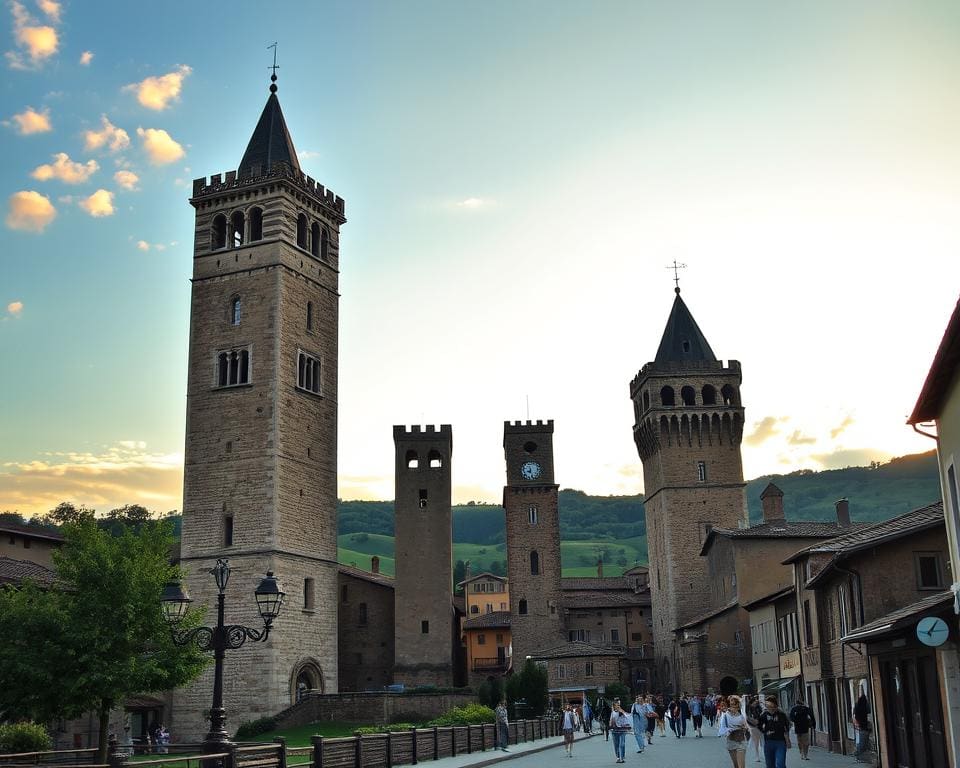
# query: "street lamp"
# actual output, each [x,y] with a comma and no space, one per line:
[175,601]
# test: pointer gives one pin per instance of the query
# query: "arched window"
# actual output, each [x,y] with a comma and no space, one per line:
[222,369]
[646,400]
[302,231]
[308,373]
[522,607]
[434,460]
[309,315]
[233,367]
[256,224]
[237,229]
[687,395]
[534,563]
[324,243]
[218,234]
[709,395]
[235,310]
[315,239]
[666,396]
[412,460]
[729,395]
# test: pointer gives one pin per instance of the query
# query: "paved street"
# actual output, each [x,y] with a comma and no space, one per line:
[669,752]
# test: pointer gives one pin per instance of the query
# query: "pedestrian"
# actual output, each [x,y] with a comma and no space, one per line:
[650,712]
[587,716]
[710,708]
[661,714]
[603,711]
[683,708]
[620,727]
[639,716]
[673,715]
[696,713]
[733,726]
[775,726]
[163,740]
[567,726]
[503,726]
[754,710]
[803,722]
[861,724]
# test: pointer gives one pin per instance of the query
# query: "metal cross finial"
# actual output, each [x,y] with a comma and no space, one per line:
[676,274]
[275,67]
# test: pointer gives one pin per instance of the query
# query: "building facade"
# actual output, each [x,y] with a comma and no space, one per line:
[365,625]
[260,484]
[688,425]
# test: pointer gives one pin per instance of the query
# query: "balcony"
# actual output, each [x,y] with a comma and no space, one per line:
[496,664]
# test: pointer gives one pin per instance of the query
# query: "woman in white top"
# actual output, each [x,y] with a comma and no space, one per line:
[733,727]
[639,715]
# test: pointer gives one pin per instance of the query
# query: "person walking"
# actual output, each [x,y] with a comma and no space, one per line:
[754,710]
[696,714]
[567,726]
[861,724]
[732,726]
[639,716]
[587,716]
[775,726]
[803,722]
[661,711]
[503,726]
[619,727]
[673,715]
[650,712]
[710,708]
[604,711]
[683,708]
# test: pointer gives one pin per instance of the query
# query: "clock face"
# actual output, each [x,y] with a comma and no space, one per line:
[932,631]
[530,470]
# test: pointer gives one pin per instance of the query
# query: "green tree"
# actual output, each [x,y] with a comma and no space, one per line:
[459,574]
[530,685]
[98,635]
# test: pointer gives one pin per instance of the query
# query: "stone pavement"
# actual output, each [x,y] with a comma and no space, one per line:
[665,752]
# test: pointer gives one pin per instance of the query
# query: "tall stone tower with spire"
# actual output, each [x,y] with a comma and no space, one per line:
[260,474]
[688,425]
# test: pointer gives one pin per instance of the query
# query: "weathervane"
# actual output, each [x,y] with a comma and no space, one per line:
[275,67]
[676,274]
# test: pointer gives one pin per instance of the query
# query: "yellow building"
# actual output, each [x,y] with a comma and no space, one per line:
[486,627]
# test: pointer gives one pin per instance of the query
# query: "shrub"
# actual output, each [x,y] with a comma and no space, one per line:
[471,714]
[256,727]
[368,729]
[618,691]
[490,692]
[23,737]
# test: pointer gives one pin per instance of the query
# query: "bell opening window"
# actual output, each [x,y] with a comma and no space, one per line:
[308,373]
[729,395]
[236,308]
[530,446]
[435,460]
[532,514]
[687,396]
[315,239]
[233,367]
[237,229]
[324,244]
[256,224]
[412,460]
[302,231]
[666,396]
[218,232]
[709,395]
[646,401]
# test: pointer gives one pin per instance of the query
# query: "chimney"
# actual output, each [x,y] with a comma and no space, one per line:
[843,513]
[772,501]
[375,564]
[599,567]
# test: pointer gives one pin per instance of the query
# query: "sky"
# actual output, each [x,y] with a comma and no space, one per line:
[518,176]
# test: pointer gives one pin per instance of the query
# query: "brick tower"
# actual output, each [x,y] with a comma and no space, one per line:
[533,538]
[423,592]
[260,474]
[688,427]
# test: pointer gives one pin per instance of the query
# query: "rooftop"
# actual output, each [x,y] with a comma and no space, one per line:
[900,619]
[604,599]
[270,142]
[376,578]
[488,620]
[33,531]
[573,650]
[595,582]
[15,571]
[713,612]
[941,375]
[781,529]
[682,339]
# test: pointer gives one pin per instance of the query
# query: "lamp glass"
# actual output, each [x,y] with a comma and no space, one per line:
[269,595]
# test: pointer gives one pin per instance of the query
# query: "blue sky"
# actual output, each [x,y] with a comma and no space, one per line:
[517,177]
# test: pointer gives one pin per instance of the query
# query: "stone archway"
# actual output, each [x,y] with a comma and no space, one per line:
[728,686]
[307,675]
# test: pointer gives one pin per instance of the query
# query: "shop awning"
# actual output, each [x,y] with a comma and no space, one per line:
[900,621]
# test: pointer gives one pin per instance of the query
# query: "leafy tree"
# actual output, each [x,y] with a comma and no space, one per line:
[531,686]
[12,518]
[65,512]
[459,574]
[617,690]
[98,635]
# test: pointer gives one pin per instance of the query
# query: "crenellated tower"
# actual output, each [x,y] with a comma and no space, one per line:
[424,623]
[260,471]
[688,426]
[530,503]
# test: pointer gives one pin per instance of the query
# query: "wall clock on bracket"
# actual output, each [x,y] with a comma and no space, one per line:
[932,631]
[530,470]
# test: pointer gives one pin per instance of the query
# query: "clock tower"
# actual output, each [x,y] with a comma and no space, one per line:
[530,503]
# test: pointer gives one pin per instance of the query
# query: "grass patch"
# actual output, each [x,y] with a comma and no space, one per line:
[300,736]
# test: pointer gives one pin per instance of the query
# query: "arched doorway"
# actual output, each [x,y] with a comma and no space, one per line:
[307,676]
[728,686]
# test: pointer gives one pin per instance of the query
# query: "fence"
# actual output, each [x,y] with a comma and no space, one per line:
[376,750]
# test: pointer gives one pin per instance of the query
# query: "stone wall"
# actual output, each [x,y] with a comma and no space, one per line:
[379,708]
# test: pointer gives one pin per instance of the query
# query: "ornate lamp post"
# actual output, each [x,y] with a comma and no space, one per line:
[175,601]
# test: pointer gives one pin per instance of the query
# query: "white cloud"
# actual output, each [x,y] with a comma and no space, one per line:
[51,8]
[160,146]
[115,139]
[158,92]
[307,154]
[14,308]
[85,58]
[66,170]
[30,211]
[127,180]
[841,427]
[99,204]
[473,203]
[763,430]
[30,121]
[38,41]
[143,245]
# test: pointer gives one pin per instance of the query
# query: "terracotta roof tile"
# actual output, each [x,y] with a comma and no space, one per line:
[488,620]
[376,578]
[15,571]
[575,649]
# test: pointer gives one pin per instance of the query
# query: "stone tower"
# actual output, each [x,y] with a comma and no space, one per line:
[533,538]
[260,474]
[423,591]
[688,427]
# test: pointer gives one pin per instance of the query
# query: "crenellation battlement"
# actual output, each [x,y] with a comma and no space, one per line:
[231,180]
[427,432]
[539,426]
[673,369]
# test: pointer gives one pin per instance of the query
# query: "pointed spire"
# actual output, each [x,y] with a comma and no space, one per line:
[682,338]
[271,142]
